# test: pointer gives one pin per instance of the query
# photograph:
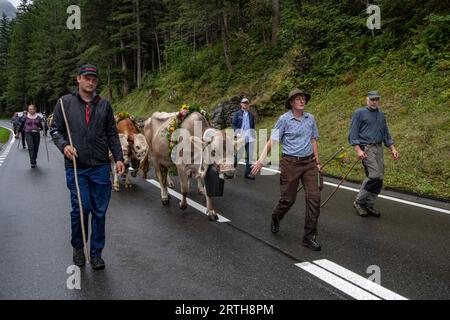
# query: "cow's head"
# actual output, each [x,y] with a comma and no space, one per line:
[217,148]
[140,146]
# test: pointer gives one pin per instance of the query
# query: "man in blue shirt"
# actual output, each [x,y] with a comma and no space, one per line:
[244,127]
[297,131]
[368,133]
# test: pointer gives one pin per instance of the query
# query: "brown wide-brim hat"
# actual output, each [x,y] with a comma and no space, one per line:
[294,93]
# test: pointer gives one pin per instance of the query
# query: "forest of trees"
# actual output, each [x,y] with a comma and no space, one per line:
[130,40]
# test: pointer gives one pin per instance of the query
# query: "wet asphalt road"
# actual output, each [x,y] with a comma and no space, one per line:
[156,252]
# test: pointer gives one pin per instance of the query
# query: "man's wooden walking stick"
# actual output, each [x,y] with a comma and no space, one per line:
[343,179]
[80,204]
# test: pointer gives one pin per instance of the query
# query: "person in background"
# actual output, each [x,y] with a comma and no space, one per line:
[244,127]
[30,126]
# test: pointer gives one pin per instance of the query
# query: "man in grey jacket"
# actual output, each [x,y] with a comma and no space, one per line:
[368,133]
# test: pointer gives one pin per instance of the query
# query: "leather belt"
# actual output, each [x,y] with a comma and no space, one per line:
[299,158]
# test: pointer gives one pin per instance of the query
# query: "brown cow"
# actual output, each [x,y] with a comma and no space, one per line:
[137,149]
[188,165]
[126,160]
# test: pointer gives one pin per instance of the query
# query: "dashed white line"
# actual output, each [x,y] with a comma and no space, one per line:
[411,203]
[339,283]
[191,203]
[359,280]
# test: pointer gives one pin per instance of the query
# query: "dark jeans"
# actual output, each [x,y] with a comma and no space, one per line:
[292,171]
[248,152]
[33,141]
[95,190]
[22,134]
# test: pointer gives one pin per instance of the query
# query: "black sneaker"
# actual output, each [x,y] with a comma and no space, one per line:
[312,244]
[373,212]
[78,257]
[275,224]
[361,210]
[97,263]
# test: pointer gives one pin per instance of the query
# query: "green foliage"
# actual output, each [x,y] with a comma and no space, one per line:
[323,46]
[4,135]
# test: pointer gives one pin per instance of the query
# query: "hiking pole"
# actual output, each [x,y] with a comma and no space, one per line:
[327,162]
[342,180]
[80,204]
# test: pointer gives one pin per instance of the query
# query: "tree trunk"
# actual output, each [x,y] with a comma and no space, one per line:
[109,85]
[224,31]
[241,15]
[159,52]
[126,87]
[275,21]
[138,49]
[195,45]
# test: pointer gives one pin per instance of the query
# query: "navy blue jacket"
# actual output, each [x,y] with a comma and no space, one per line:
[238,116]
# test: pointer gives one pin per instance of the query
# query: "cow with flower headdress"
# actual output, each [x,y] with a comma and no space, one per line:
[186,141]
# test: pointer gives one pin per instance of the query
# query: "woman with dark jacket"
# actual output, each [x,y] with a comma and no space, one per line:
[32,123]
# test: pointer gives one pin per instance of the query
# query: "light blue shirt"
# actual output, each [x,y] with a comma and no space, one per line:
[295,135]
[245,130]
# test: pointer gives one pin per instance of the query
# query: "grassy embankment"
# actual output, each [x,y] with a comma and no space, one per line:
[416,103]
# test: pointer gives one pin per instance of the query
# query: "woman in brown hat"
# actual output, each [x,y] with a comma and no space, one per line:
[297,131]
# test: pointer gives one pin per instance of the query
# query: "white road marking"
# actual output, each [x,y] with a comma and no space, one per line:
[359,280]
[5,153]
[411,203]
[339,283]
[190,202]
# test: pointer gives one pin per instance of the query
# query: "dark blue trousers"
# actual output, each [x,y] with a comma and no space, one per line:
[95,189]
[248,153]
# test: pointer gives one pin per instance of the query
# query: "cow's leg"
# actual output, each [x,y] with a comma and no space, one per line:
[184,182]
[145,166]
[161,173]
[212,215]
[116,183]
[201,186]
[170,182]
[128,183]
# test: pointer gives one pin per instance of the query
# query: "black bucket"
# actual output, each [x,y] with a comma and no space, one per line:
[213,183]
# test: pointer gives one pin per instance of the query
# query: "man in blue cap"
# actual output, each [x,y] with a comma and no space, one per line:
[368,133]
[244,126]
[94,133]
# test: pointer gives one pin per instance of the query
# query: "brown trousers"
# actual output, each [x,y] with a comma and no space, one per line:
[292,171]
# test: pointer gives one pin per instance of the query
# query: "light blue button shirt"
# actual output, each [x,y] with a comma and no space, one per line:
[295,135]
[245,130]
